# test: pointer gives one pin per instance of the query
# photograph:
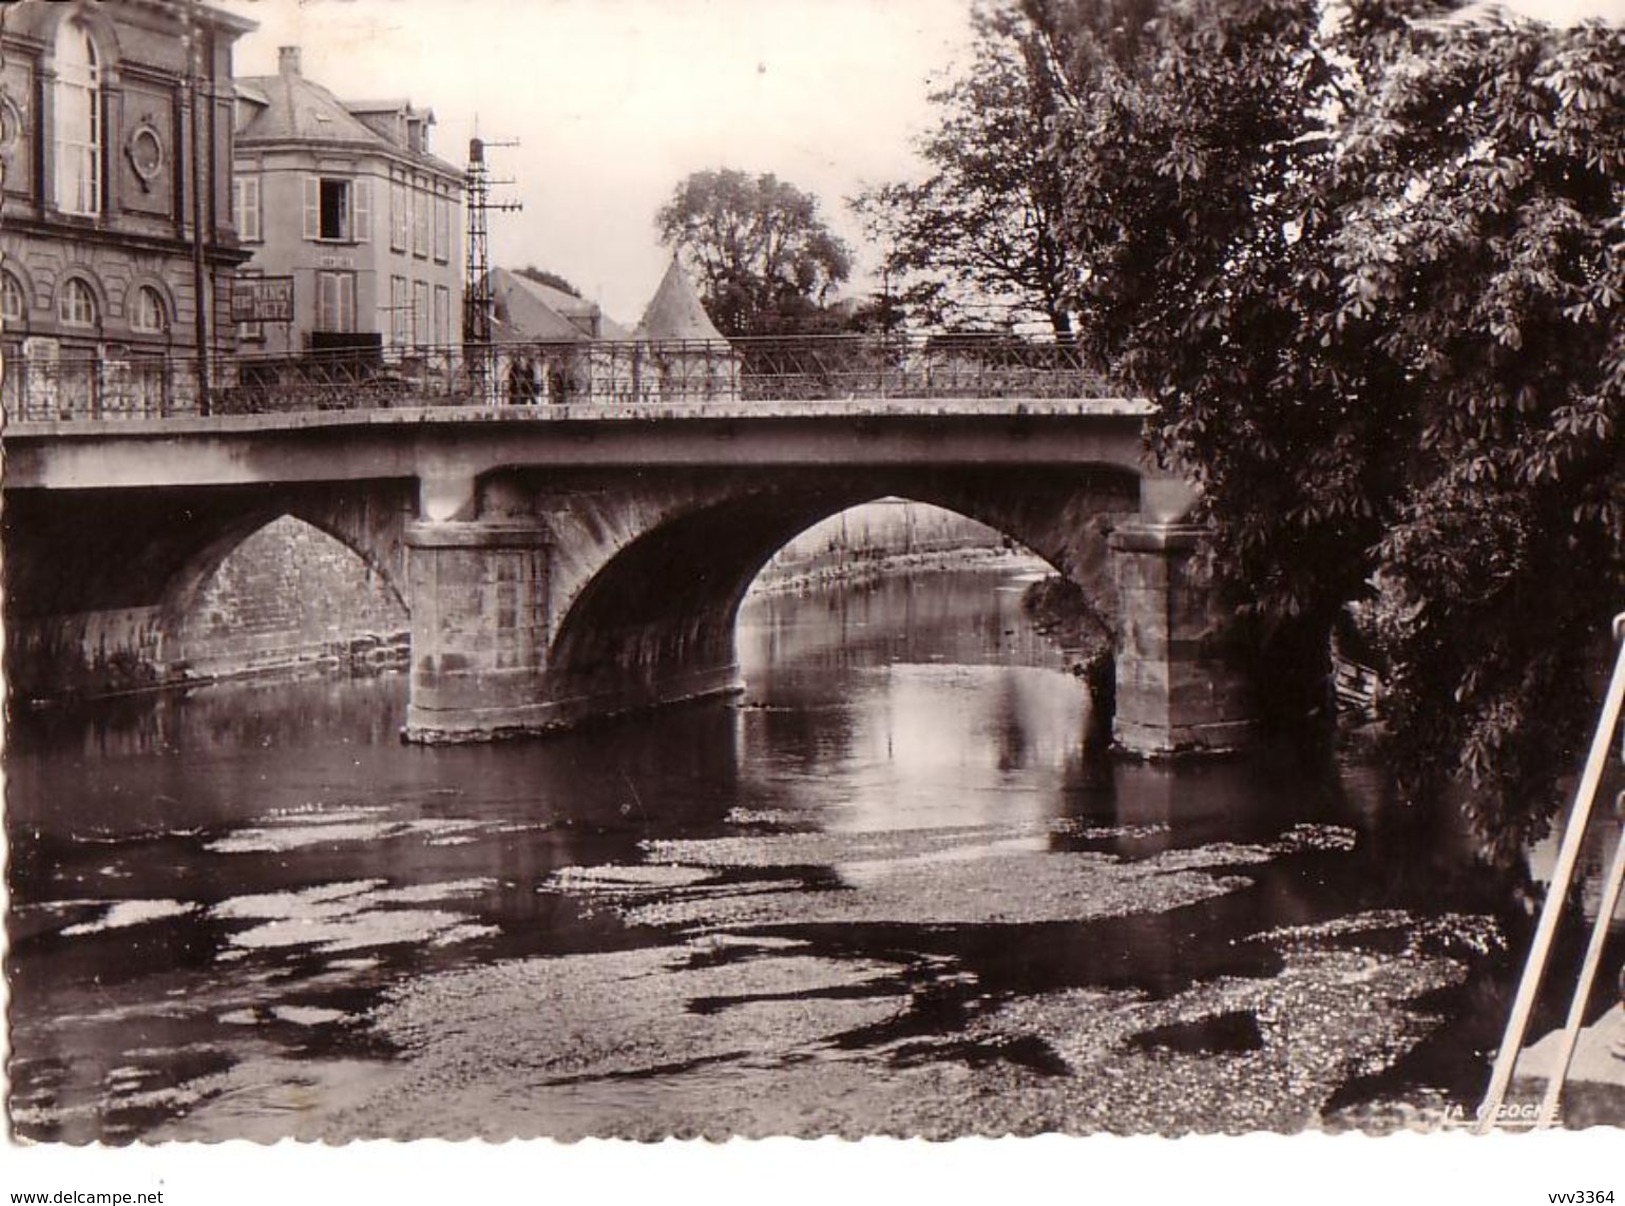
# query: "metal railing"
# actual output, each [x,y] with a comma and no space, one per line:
[610,372]
[98,388]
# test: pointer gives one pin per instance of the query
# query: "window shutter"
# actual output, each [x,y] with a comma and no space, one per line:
[420,217]
[347,301]
[363,211]
[313,207]
[397,215]
[397,310]
[247,213]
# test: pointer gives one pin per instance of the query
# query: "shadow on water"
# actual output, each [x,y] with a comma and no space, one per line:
[180,810]
[224,821]
[1406,864]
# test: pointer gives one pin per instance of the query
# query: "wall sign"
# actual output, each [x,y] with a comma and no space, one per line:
[262,299]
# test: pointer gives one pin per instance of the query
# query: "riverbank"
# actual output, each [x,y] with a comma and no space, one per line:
[859,569]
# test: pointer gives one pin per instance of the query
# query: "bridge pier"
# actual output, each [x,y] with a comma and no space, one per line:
[1176,691]
[519,627]
[480,628]
[487,661]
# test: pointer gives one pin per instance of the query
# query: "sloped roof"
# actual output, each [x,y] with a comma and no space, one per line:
[298,108]
[521,308]
[675,312]
[504,333]
[557,300]
[614,332]
[292,107]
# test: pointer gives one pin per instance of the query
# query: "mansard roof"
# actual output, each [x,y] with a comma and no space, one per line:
[288,107]
[297,109]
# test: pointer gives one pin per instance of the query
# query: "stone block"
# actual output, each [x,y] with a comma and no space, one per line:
[1175,693]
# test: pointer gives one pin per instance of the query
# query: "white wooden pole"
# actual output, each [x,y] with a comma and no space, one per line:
[1588,974]
[1506,1058]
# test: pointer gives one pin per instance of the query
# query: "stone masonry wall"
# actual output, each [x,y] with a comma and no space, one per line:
[875,532]
[291,597]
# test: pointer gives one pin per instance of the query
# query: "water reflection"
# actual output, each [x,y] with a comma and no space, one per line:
[242,912]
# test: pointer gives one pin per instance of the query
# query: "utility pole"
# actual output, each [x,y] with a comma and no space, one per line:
[478,301]
[202,294]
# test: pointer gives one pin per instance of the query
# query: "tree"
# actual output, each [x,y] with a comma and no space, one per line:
[1188,142]
[1374,284]
[982,230]
[1487,260]
[551,279]
[763,259]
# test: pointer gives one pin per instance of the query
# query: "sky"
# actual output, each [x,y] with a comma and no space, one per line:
[613,102]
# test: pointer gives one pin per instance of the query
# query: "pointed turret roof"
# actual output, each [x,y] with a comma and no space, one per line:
[675,311]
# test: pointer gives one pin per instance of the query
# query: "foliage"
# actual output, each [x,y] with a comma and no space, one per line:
[982,229]
[1191,148]
[1373,280]
[1491,270]
[761,254]
[551,279]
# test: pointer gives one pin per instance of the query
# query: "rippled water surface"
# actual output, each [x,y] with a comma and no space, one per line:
[886,891]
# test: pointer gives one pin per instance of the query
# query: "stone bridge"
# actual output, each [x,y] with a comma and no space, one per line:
[569,562]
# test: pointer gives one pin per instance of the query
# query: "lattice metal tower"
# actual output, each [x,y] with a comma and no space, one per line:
[478,302]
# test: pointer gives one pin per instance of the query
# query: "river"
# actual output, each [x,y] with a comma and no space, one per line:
[885,891]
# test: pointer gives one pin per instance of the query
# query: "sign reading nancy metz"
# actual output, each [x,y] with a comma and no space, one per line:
[262,299]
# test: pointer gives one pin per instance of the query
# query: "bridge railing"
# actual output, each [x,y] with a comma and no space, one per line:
[942,366]
[609,372]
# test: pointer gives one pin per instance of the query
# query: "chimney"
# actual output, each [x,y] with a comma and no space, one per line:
[287,60]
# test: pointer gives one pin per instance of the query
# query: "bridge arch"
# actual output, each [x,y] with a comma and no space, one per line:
[289,595]
[656,619]
[637,589]
[342,517]
[98,591]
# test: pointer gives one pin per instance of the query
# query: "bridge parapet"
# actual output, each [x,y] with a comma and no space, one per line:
[684,373]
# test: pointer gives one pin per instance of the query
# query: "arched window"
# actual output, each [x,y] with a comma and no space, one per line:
[13,304]
[76,304]
[78,122]
[148,314]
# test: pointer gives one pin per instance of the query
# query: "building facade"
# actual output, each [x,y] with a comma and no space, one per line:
[347,199]
[116,150]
